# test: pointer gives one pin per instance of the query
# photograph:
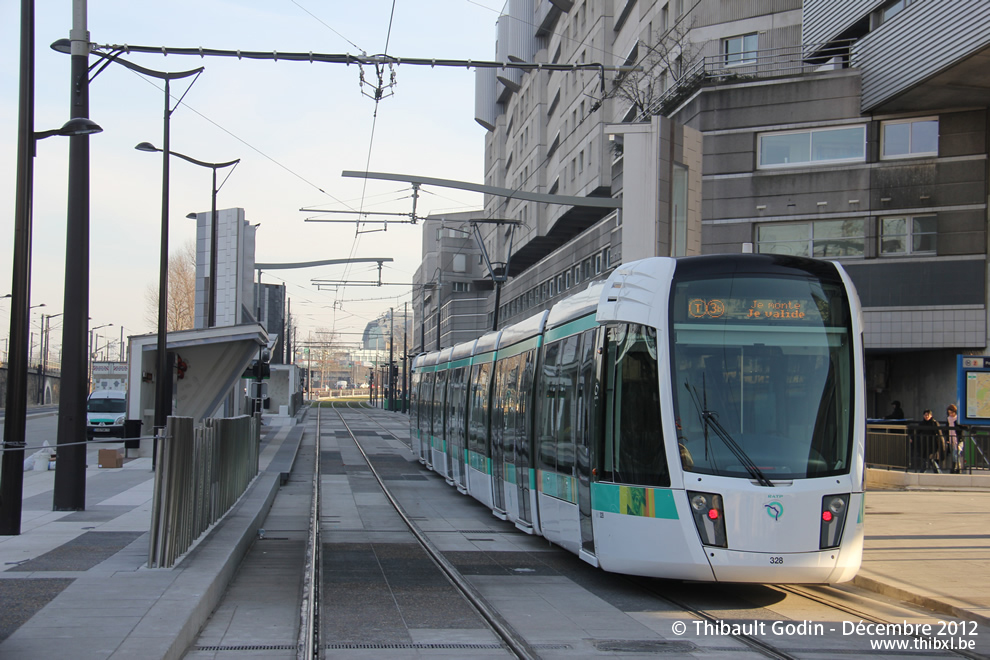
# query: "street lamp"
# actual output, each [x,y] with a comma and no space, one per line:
[70,475]
[30,352]
[212,302]
[89,356]
[15,422]
[46,320]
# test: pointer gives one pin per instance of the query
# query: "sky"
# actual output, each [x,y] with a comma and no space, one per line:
[295,126]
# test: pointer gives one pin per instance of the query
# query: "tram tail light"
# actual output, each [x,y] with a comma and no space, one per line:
[709,518]
[834,509]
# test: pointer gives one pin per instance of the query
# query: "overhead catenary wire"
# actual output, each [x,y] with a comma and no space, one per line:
[377,60]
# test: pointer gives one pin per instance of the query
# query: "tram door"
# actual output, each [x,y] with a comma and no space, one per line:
[439,425]
[586,433]
[456,400]
[526,373]
[498,435]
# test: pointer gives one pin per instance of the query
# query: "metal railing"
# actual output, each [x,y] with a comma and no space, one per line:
[912,447]
[202,471]
[751,65]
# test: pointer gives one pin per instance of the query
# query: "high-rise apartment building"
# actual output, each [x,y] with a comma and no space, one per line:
[853,130]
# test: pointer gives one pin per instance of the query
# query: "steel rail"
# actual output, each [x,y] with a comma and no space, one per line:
[499,626]
[309,625]
[758,645]
[823,599]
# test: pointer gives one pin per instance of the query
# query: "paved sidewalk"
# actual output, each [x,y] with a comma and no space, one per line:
[931,548]
[76,584]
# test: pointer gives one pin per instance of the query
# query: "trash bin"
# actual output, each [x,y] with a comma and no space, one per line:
[132,429]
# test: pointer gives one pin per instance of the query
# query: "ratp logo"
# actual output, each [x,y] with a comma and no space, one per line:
[774,509]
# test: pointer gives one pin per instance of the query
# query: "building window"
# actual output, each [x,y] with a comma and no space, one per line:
[910,137]
[825,145]
[462,287]
[567,280]
[560,284]
[577,275]
[823,239]
[892,9]
[908,234]
[598,263]
[740,50]
[460,263]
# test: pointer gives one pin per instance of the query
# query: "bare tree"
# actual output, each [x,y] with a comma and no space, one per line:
[181,304]
[665,60]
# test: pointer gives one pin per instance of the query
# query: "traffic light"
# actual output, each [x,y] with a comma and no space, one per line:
[180,367]
[257,371]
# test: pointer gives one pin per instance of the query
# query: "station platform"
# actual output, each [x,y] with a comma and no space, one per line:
[77,583]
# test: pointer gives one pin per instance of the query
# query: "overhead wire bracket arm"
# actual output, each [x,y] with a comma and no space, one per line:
[347,58]
[509,193]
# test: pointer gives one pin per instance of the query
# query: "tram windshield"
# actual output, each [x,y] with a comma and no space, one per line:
[762,376]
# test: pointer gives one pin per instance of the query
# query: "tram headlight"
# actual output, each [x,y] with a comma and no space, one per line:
[709,518]
[833,520]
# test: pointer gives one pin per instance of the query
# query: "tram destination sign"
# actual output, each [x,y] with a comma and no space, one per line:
[754,310]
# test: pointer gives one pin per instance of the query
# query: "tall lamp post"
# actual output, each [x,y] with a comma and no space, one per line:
[15,422]
[211,317]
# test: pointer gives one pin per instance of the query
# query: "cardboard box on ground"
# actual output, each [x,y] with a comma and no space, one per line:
[111,458]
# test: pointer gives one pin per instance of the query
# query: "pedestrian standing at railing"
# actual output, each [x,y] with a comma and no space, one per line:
[954,441]
[896,413]
[928,452]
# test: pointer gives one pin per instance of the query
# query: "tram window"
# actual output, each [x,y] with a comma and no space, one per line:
[426,402]
[439,392]
[567,403]
[634,448]
[478,421]
[507,403]
[455,407]
[546,428]
[527,374]
[771,389]
[414,399]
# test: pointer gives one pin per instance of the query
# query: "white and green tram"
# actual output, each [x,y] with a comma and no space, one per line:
[698,418]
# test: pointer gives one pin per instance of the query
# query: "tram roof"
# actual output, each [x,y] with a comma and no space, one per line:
[487,342]
[576,306]
[461,351]
[525,329]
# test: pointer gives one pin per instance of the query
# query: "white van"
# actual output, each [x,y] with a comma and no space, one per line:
[105,414]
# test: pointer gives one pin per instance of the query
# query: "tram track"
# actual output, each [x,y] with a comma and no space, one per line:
[510,638]
[813,594]
[754,643]
[825,596]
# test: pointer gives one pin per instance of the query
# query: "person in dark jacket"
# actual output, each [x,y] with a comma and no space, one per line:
[928,445]
[897,412]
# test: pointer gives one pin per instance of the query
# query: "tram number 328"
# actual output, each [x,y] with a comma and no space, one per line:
[776,560]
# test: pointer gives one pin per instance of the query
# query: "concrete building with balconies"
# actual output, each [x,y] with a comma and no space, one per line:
[853,130]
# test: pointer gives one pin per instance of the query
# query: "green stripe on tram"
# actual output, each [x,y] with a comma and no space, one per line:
[571,328]
[560,486]
[521,347]
[484,358]
[634,501]
[456,364]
